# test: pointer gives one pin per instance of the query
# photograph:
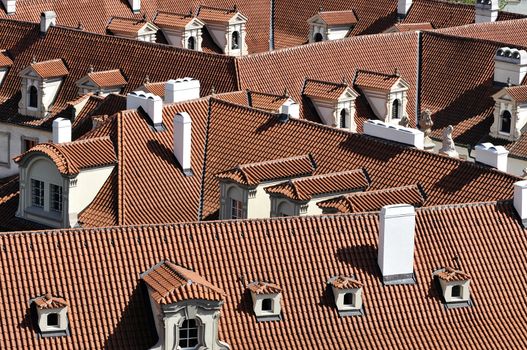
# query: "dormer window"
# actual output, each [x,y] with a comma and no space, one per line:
[343,119]
[506,119]
[236,209]
[395,109]
[227,28]
[102,82]
[331,25]
[266,299]
[454,286]
[318,37]
[56,198]
[191,45]
[188,334]
[33,97]
[180,30]
[347,294]
[235,40]
[5,64]
[52,316]
[37,193]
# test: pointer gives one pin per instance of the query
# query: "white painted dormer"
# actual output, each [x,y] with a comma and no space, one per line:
[334,102]
[387,95]
[101,83]
[52,316]
[487,10]
[347,293]
[10,6]
[455,287]
[267,301]
[130,28]
[331,25]
[183,31]
[227,28]
[510,113]
[39,87]
[510,66]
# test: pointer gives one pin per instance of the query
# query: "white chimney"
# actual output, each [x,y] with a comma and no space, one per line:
[47,19]
[397,133]
[396,243]
[10,6]
[494,156]
[487,10]
[61,130]
[150,103]
[291,108]
[510,66]
[181,90]
[183,141]
[135,5]
[520,200]
[403,6]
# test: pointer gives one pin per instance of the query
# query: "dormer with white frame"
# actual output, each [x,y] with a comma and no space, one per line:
[267,301]
[180,30]
[52,316]
[334,102]
[455,287]
[347,293]
[510,113]
[130,28]
[387,94]
[59,180]
[331,25]
[40,85]
[186,308]
[242,189]
[101,83]
[227,28]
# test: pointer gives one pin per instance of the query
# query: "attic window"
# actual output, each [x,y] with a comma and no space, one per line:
[266,299]
[506,119]
[454,286]
[191,43]
[267,305]
[235,40]
[349,299]
[33,97]
[343,115]
[188,334]
[347,294]
[395,109]
[52,316]
[318,37]
[53,319]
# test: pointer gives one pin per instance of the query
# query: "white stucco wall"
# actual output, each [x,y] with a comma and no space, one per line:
[47,92]
[334,33]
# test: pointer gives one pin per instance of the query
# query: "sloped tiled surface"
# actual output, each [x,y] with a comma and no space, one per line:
[97,272]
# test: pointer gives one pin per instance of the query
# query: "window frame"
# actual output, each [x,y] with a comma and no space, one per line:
[459,291]
[40,197]
[396,106]
[32,140]
[32,93]
[55,201]
[236,209]
[53,314]
[189,342]
[502,118]
[267,302]
[318,37]
[191,40]
[347,303]
[235,40]
[343,123]
[7,135]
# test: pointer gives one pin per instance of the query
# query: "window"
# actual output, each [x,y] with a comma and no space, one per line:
[235,40]
[53,320]
[37,193]
[348,299]
[318,37]
[188,334]
[28,144]
[236,209]
[395,109]
[33,97]
[506,118]
[55,198]
[343,123]
[456,291]
[191,43]
[267,305]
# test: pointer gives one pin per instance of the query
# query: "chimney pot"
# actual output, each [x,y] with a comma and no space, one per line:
[291,108]
[183,141]
[396,244]
[151,104]
[135,5]
[487,10]
[10,6]
[47,19]
[61,130]
[181,90]
[510,66]
[403,6]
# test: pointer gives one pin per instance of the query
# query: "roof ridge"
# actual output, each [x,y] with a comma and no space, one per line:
[326,175]
[445,34]
[341,84]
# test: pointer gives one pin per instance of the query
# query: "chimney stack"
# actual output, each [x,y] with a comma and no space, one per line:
[291,108]
[403,6]
[494,156]
[10,6]
[396,244]
[135,5]
[510,66]
[61,130]
[47,19]
[150,103]
[520,200]
[487,10]
[181,90]
[183,141]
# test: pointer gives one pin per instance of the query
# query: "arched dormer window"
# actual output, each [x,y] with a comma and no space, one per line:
[235,40]
[191,43]
[318,37]
[343,123]
[395,109]
[188,334]
[506,119]
[33,97]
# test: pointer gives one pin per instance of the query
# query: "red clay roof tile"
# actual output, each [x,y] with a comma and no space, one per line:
[376,80]
[343,282]
[172,20]
[336,18]
[5,61]
[216,14]
[449,274]
[50,69]
[109,78]
[119,25]
[324,89]
[48,301]
[264,288]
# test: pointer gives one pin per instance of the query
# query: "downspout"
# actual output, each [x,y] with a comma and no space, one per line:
[204,170]
[271,25]
[418,80]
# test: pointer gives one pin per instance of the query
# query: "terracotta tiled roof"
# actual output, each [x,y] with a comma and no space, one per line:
[70,158]
[108,78]
[335,18]
[440,13]
[376,80]
[324,89]
[450,275]
[264,288]
[265,101]
[103,210]
[342,282]
[156,88]
[304,189]
[215,14]
[406,27]
[5,61]
[375,200]
[519,93]
[50,69]
[99,271]
[171,283]
[120,25]
[48,301]
[256,173]
[172,20]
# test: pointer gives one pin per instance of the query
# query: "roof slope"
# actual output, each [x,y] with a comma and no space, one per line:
[109,309]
